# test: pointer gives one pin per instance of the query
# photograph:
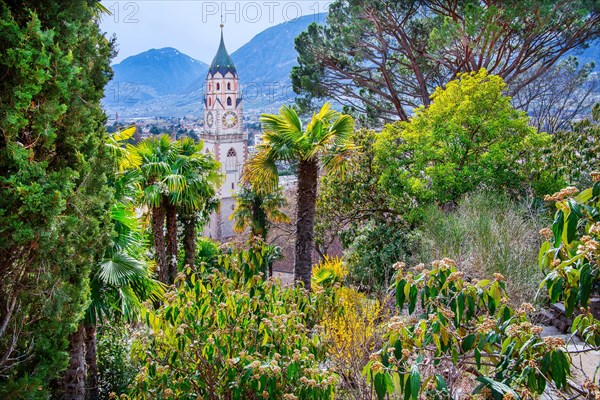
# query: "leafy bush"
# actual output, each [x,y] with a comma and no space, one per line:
[570,256]
[372,249]
[226,333]
[114,363]
[351,326]
[457,328]
[487,233]
[470,135]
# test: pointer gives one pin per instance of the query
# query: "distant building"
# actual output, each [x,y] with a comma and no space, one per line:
[223,135]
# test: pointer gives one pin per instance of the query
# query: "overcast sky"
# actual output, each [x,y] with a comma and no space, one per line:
[192,26]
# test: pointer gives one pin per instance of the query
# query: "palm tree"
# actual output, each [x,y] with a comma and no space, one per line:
[119,284]
[178,180]
[156,158]
[194,195]
[324,142]
[259,210]
[120,281]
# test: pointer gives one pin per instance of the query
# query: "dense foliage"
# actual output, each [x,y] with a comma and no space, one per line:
[55,199]
[90,223]
[569,256]
[224,332]
[456,327]
[469,136]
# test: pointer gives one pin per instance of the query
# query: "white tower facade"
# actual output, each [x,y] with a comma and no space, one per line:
[224,136]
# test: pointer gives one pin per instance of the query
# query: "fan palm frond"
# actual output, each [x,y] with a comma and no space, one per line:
[120,269]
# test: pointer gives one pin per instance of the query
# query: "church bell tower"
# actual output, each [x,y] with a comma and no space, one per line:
[223,135]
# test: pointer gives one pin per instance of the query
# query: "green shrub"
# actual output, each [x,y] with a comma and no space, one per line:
[116,371]
[470,135]
[570,256]
[463,334]
[226,333]
[487,233]
[372,249]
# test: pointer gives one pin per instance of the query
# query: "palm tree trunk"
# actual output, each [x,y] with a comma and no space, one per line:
[73,384]
[91,385]
[189,240]
[158,230]
[171,240]
[305,222]
[259,227]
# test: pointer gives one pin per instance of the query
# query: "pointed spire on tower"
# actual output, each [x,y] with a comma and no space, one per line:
[222,62]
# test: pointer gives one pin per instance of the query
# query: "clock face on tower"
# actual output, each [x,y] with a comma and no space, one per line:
[209,119]
[230,119]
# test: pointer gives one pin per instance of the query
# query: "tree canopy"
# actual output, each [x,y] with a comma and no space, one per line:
[470,135]
[384,58]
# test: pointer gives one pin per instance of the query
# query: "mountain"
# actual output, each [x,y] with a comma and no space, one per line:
[165,70]
[166,82]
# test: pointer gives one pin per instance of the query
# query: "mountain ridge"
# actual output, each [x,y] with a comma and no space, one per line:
[168,82]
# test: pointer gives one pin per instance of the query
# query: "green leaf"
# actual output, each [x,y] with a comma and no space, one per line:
[497,388]
[413,299]
[415,382]
[556,290]
[389,383]
[595,192]
[400,296]
[380,386]
[584,196]
[467,342]
[542,254]
[572,221]
[585,284]
[558,226]
[558,369]
[440,383]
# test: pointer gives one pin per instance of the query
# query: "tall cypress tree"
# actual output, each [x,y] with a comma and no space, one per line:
[54,197]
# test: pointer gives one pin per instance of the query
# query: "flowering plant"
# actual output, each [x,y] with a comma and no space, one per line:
[224,332]
[570,256]
[461,332]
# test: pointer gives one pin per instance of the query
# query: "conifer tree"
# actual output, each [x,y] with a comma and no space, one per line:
[54,197]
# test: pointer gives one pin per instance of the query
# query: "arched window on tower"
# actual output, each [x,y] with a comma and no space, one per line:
[209,87]
[228,101]
[231,160]
[209,101]
[218,86]
[228,85]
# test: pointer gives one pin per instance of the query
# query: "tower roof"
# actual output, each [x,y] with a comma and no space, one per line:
[222,62]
